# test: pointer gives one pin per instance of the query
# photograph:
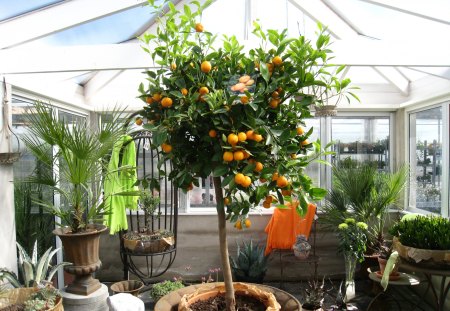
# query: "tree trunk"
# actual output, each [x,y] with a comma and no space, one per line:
[227,278]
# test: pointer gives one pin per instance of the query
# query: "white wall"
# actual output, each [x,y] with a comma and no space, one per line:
[8,257]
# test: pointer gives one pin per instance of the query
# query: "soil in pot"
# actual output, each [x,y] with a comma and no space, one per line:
[15,307]
[217,303]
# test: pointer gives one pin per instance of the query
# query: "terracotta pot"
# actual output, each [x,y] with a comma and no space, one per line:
[267,298]
[423,257]
[325,111]
[20,295]
[130,287]
[393,276]
[82,250]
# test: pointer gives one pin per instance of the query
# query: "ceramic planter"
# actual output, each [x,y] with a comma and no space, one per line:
[301,247]
[325,111]
[82,250]
[423,257]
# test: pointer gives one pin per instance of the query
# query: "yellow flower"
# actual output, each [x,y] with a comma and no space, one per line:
[362,225]
[350,221]
[343,226]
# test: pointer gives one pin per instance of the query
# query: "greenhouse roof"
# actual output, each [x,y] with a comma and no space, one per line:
[87,52]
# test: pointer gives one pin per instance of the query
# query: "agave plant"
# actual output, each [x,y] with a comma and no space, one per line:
[250,263]
[79,152]
[360,191]
[33,270]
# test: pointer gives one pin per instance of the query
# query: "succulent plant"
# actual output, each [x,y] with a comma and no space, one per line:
[250,261]
[314,294]
[159,290]
[425,232]
[34,271]
[43,299]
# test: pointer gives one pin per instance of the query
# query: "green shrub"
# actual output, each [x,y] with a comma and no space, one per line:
[425,232]
[161,289]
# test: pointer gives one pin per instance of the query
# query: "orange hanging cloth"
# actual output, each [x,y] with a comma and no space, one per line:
[285,225]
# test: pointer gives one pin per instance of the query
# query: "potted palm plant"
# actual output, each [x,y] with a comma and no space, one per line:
[78,152]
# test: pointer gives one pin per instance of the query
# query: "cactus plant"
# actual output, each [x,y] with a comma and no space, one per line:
[250,264]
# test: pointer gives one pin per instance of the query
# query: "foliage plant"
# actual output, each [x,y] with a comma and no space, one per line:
[352,238]
[425,232]
[250,262]
[43,299]
[161,289]
[362,192]
[79,151]
[216,109]
[33,270]
[148,203]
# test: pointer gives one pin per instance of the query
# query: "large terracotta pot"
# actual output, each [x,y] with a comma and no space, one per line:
[82,250]
[204,293]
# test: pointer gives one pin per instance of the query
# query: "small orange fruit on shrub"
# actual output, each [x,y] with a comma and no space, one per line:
[139,121]
[282,182]
[149,100]
[205,66]
[247,223]
[274,176]
[305,142]
[247,182]
[257,138]
[266,204]
[300,130]
[238,155]
[199,27]
[227,201]
[228,156]
[212,133]
[238,225]
[157,97]
[166,147]
[173,66]
[184,91]
[232,139]
[277,61]
[259,167]
[250,134]
[239,178]
[166,102]
[274,102]
[242,136]
[244,99]
[203,90]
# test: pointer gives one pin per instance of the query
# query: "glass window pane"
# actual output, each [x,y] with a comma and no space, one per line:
[426,160]
[363,139]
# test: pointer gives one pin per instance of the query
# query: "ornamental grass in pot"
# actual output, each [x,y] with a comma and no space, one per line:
[234,113]
[78,152]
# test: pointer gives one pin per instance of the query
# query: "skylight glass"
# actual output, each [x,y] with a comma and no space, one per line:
[387,24]
[115,28]
[225,17]
[365,75]
[14,8]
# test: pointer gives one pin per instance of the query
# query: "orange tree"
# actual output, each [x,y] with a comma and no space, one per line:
[238,116]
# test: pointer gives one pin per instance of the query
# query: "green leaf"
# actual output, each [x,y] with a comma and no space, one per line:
[227,180]
[220,170]
[317,193]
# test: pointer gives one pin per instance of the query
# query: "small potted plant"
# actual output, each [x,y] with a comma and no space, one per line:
[384,252]
[314,295]
[148,241]
[250,264]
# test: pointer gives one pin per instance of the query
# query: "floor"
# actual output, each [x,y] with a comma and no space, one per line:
[405,298]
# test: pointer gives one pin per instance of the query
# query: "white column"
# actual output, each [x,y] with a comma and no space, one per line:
[8,255]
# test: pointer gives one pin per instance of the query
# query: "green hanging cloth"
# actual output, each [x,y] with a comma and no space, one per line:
[120,180]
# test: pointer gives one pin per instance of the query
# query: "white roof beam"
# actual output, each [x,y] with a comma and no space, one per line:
[59,17]
[389,4]
[320,12]
[98,82]
[131,56]
[394,77]
[443,73]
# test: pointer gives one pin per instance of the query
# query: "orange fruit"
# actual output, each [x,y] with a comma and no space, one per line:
[305,142]
[239,178]
[274,102]
[275,94]
[244,99]
[166,102]
[269,199]
[173,66]
[247,223]
[228,156]
[250,134]
[227,201]
[282,182]
[203,90]
[149,100]
[270,67]
[166,147]
[205,66]
[277,61]
[266,204]
[238,225]
[293,156]
[212,133]
[259,167]
[242,136]
[238,155]
[246,154]
[156,97]
[190,187]
[274,176]
[233,139]
[286,192]
[247,182]
[199,27]
[139,121]
[184,91]
[300,130]
[257,138]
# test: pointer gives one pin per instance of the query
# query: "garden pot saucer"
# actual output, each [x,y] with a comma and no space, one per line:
[394,276]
